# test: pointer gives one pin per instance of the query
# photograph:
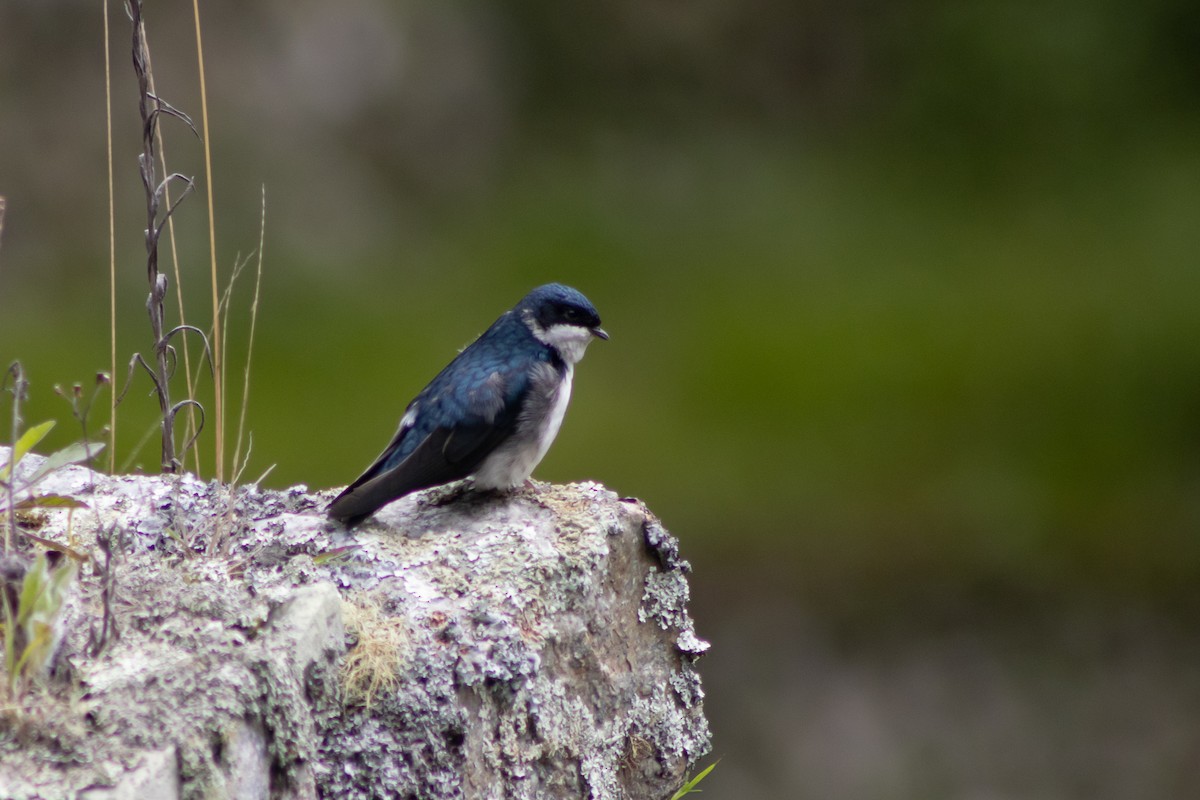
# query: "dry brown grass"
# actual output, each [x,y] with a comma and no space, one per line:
[374,663]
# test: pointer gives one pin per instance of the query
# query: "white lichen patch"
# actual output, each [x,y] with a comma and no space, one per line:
[532,645]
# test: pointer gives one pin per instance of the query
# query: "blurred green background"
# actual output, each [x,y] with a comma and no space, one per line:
[903,301]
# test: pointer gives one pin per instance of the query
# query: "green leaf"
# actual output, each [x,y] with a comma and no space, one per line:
[80,558]
[43,594]
[690,786]
[49,501]
[35,649]
[335,555]
[10,641]
[32,588]
[71,454]
[27,442]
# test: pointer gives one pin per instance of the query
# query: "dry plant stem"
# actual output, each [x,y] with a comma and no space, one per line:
[17,372]
[157,281]
[108,585]
[262,233]
[112,248]
[218,362]
[219,541]
[239,264]
[190,419]
[81,413]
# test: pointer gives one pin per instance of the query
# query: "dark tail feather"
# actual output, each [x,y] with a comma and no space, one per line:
[370,491]
[368,494]
[424,467]
[351,507]
[350,521]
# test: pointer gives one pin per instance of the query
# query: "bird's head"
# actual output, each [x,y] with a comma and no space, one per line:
[563,318]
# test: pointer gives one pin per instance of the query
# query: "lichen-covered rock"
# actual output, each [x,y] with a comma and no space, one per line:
[535,645]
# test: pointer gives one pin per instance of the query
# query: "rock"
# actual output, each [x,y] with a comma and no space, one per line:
[156,775]
[536,645]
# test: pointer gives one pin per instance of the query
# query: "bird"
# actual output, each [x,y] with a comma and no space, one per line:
[492,413]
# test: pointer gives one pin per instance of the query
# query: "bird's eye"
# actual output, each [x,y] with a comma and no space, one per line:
[571,313]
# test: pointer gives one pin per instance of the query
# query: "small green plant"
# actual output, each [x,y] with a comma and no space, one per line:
[691,784]
[81,404]
[17,491]
[32,626]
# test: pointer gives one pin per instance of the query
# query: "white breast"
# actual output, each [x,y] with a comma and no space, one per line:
[554,419]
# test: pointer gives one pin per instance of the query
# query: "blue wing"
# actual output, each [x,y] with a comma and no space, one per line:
[465,413]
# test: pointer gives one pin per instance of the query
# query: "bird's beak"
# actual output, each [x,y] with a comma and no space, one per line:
[599,333]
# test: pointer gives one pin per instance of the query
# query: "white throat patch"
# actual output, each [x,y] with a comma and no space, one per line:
[569,340]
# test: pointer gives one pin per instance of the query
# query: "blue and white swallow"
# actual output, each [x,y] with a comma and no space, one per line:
[492,413]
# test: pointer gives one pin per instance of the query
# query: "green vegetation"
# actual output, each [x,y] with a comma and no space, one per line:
[32,626]
[689,787]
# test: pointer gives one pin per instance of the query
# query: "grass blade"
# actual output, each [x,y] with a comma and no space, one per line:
[27,442]
[690,786]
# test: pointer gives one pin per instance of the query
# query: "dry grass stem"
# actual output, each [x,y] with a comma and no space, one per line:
[262,234]
[218,361]
[112,246]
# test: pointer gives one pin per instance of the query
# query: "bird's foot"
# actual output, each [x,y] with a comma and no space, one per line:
[446,495]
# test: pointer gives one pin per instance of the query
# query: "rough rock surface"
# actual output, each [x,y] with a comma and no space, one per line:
[528,646]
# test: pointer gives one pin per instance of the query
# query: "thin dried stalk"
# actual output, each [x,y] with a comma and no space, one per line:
[218,364]
[262,235]
[112,246]
[148,107]
[191,429]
